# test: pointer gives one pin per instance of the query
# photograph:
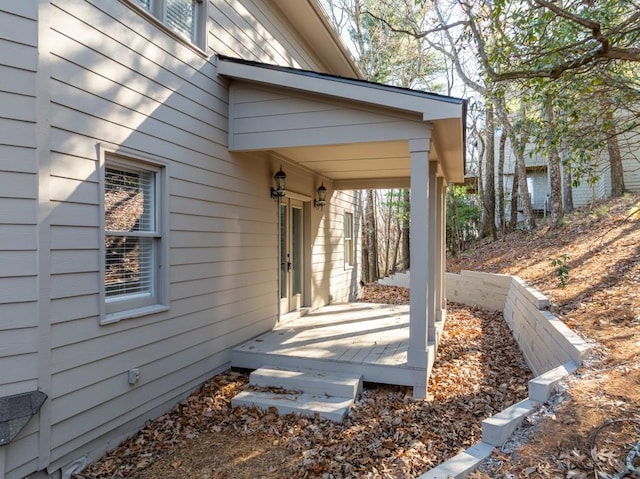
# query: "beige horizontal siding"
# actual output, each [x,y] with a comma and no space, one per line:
[68,309]
[162,101]
[19,367]
[119,81]
[17,55]
[256,30]
[21,456]
[17,263]
[328,250]
[19,315]
[18,159]
[272,118]
[17,23]
[18,219]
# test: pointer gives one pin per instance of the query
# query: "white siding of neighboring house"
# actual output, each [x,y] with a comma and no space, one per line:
[630,146]
[538,188]
[583,194]
[119,81]
[18,222]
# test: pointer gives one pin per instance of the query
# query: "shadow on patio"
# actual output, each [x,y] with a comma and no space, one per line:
[365,338]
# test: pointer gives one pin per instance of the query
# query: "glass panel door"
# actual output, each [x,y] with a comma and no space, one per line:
[284,228]
[297,258]
[291,252]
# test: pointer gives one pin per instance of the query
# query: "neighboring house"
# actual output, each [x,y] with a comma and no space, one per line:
[138,238]
[538,179]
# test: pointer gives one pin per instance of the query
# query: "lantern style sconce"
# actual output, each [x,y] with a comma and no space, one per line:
[321,194]
[280,180]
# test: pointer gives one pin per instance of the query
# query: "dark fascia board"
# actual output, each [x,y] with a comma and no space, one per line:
[347,80]
[353,82]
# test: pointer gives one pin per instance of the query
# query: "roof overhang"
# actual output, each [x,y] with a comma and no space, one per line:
[316,29]
[351,131]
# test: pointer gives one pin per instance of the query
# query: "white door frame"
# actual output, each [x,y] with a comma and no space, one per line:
[292,245]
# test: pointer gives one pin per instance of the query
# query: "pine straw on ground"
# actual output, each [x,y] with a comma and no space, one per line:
[592,431]
[479,372]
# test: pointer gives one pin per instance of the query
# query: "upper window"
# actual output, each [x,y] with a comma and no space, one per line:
[184,17]
[132,236]
[349,252]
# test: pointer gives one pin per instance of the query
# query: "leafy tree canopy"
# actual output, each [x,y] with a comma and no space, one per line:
[546,38]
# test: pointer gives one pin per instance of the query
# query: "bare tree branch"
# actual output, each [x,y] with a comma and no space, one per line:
[415,33]
[568,15]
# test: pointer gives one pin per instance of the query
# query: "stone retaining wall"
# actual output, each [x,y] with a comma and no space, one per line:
[545,341]
[486,290]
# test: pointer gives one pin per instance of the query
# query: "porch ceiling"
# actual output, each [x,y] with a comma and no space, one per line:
[352,132]
[361,165]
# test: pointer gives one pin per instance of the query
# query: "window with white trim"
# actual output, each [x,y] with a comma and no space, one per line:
[184,17]
[349,253]
[132,235]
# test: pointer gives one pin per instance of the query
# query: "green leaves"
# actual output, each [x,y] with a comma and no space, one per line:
[561,269]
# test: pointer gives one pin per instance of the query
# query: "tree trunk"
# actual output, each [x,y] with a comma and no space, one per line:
[454,236]
[397,238]
[372,242]
[518,144]
[567,184]
[480,174]
[489,198]
[406,230]
[513,216]
[615,158]
[387,233]
[364,239]
[501,198]
[555,171]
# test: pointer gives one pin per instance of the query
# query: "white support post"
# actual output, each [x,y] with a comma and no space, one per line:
[417,355]
[444,247]
[440,247]
[433,261]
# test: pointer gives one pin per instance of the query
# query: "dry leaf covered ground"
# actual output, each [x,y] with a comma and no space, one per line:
[587,431]
[479,372]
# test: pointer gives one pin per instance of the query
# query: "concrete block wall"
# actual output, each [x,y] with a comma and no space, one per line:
[546,342]
[397,279]
[485,290]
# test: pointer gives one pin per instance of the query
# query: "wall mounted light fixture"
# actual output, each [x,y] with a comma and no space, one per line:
[280,181]
[321,194]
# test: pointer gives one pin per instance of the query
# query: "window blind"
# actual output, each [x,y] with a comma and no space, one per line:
[180,16]
[130,231]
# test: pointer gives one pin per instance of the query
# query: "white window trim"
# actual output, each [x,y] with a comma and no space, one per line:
[125,158]
[349,265]
[199,41]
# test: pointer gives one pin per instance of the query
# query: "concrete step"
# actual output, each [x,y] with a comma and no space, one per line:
[497,429]
[462,464]
[541,387]
[312,382]
[328,407]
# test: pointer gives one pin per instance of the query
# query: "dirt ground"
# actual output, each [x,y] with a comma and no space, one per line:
[587,432]
[591,432]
